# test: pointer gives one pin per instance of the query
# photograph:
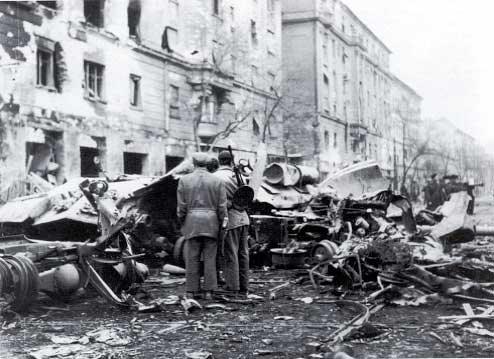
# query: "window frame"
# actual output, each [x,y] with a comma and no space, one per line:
[136,10]
[97,72]
[50,69]
[135,95]
[174,105]
[216,8]
[254,39]
[101,15]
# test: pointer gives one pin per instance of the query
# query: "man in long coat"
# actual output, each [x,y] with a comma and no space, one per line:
[201,209]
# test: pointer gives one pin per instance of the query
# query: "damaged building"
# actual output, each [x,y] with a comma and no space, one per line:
[133,86]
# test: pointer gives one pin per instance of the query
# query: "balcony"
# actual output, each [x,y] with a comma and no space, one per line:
[207,129]
[358,131]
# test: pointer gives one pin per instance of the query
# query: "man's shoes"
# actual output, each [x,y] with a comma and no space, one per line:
[193,295]
[225,292]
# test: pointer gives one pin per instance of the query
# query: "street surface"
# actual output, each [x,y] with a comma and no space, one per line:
[286,327]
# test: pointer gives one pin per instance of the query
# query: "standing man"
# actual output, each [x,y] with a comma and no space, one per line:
[201,209]
[427,192]
[236,247]
[436,193]
[470,190]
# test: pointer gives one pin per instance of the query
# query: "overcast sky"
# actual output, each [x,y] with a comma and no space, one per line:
[444,49]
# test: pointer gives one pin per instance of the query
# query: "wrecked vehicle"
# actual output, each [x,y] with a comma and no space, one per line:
[91,233]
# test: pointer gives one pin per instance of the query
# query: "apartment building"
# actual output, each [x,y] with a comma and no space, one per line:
[133,86]
[339,69]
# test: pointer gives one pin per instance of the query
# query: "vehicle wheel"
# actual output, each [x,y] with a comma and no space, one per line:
[323,251]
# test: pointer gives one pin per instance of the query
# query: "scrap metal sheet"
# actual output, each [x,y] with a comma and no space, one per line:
[23,209]
[356,180]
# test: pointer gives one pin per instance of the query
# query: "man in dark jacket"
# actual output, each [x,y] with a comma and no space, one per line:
[436,194]
[236,254]
[201,210]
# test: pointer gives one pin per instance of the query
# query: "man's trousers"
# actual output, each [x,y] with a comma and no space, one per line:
[236,264]
[194,247]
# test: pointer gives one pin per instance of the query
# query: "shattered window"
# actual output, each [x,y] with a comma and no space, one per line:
[94,12]
[93,80]
[44,73]
[135,90]
[134,18]
[89,158]
[134,163]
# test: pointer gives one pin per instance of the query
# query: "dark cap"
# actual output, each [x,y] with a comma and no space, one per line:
[434,176]
[200,159]
[225,156]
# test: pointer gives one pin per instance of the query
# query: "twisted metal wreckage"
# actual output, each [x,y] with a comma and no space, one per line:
[349,230]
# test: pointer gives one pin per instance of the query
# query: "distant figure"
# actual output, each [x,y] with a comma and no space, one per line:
[436,194]
[470,191]
[442,191]
[414,191]
[201,209]
[427,192]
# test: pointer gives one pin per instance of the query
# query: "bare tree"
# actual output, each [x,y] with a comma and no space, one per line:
[418,150]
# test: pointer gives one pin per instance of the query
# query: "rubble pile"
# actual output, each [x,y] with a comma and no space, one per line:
[349,232]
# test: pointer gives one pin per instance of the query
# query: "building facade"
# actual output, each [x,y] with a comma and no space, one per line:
[134,86]
[340,69]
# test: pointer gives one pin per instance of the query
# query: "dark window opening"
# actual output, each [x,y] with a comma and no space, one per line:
[169,39]
[94,12]
[174,101]
[253,33]
[335,140]
[93,80]
[133,163]
[326,139]
[220,97]
[39,158]
[50,4]
[44,70]
[90,166]
[255,127]
[135,90]
[134,18]
[216,7]
[46,158]
[172,161]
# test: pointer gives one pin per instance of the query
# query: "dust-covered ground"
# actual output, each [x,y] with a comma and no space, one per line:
[285,327]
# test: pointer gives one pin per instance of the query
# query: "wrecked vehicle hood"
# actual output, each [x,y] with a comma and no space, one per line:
[356,180]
